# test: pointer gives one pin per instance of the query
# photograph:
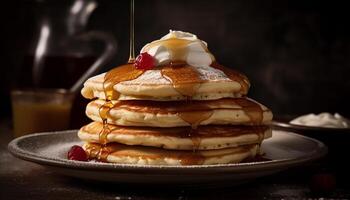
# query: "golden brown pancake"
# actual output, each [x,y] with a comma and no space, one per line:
[234,111]
[126,154]
[167,83]
[179,138]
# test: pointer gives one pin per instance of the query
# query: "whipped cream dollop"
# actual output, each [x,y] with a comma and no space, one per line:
[322,120]
[179,46]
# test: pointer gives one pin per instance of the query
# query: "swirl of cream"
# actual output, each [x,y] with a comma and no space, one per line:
[179,46]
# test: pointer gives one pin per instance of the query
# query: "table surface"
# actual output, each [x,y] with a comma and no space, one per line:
[24,180]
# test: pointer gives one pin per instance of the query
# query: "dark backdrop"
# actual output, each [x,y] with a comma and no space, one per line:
[296,53]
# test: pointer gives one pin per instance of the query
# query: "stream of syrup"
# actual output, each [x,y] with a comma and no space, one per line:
[132,33]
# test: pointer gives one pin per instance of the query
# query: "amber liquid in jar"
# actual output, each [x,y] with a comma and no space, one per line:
[40,110]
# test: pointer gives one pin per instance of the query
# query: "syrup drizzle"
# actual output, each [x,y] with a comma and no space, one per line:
[194,119]
[104,114]
[252,109]
[122,73]
[98,151]
[119,74]
[260,139]
[234,76]
[185,78]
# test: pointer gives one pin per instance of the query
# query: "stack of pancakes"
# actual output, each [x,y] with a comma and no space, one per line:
[173,114]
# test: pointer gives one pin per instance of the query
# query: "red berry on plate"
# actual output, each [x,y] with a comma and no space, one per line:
[77,153]
[144,61]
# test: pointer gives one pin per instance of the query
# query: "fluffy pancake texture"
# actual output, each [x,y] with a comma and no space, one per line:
[181,138]
[152,85]
[168,114]
[126,154]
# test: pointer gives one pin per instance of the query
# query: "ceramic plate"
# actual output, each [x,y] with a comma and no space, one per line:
[284,150]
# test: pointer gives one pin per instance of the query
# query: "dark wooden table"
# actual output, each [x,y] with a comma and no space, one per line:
[24,180]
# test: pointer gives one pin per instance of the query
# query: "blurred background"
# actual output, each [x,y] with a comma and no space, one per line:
[296,53]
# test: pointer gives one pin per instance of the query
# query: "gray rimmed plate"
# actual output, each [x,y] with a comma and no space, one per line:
[283,150]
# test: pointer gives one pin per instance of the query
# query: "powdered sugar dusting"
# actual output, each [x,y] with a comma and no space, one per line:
[149,77]
[211,74]
[59,150]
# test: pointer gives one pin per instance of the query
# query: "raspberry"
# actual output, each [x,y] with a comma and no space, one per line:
[144,61]
[77,153]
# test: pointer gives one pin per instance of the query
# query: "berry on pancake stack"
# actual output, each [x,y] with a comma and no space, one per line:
[174,106]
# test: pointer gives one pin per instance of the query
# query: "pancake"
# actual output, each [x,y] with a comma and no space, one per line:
[181,138]
[125,154]
[168,83]
[234,111]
